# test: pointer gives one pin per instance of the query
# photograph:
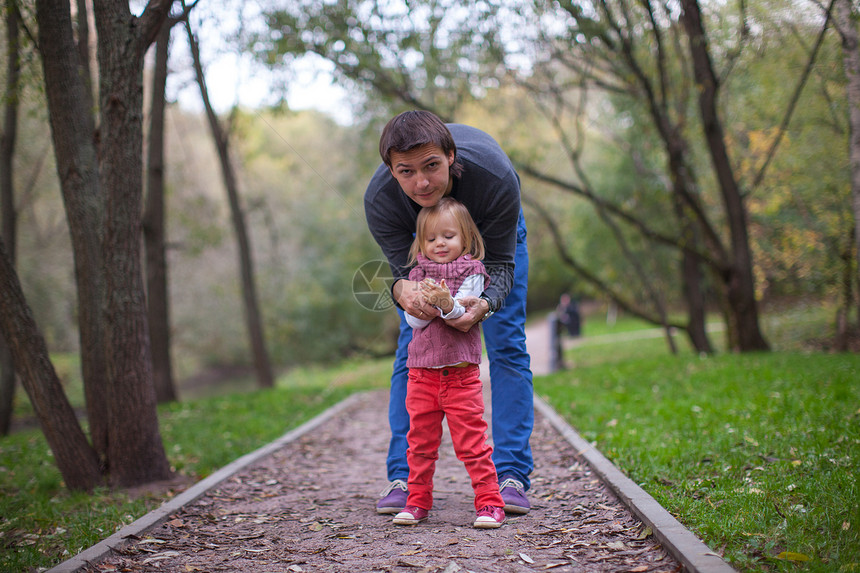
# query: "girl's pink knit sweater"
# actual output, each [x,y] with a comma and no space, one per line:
[438,344]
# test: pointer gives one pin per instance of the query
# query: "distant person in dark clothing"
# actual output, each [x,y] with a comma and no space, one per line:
[568,315]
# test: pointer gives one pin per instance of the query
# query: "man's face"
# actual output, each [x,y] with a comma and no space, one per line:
[423,173]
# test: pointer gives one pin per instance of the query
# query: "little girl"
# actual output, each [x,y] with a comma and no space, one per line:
[444,377]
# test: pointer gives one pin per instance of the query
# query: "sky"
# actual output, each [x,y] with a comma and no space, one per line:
[233,78]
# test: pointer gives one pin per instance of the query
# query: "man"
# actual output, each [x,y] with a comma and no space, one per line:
[424,160]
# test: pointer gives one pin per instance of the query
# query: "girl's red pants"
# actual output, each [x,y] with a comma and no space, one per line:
[455,392]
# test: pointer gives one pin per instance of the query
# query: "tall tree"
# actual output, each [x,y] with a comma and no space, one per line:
[135,450]
[158,306]
[103,204]
[221,137]
[72,130]
[636,55]
[847,15]
[8,215]
[739,281]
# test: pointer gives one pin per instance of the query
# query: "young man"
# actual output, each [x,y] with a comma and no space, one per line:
[424,160]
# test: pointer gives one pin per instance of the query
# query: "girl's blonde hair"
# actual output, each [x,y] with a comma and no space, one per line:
[473,243]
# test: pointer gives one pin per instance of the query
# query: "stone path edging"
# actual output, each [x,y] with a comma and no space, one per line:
[159,515]
[677,539]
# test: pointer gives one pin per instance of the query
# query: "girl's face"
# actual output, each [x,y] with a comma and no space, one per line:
[443,241]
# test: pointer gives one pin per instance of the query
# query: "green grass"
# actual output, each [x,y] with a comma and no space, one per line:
[758,454]
[42,524]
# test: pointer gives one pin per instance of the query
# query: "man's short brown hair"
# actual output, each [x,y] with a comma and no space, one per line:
[412,129]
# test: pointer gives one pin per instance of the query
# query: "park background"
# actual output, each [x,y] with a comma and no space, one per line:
[685,164]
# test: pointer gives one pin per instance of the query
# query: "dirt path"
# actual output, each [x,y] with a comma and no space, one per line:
[309,507]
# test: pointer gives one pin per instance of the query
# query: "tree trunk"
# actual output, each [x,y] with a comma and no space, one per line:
[691,275]
[77,461]
[851,62]
[135,450]
[739,278]
[154,231]
[254,323]
[841,341]
[8,215]
[74,147]
[697,325]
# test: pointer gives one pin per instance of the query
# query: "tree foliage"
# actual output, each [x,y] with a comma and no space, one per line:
[654,57]
[435,54]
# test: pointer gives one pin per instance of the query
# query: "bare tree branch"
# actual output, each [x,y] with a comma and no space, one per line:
[586,274]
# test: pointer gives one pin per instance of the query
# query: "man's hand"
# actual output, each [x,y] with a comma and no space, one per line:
[410,298]
[476,308]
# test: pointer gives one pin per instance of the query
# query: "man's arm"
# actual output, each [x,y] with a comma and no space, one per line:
[494,203]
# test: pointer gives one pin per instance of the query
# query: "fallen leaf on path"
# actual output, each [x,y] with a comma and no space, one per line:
[526,558]
[413,551]
[253,535]
[647,532]
[161,557]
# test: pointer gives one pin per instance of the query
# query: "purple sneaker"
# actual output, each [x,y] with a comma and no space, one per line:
[393,498]
[514,495]
[490,517]
[411,515]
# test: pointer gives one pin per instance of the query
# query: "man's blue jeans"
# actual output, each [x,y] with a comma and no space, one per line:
[510,382]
